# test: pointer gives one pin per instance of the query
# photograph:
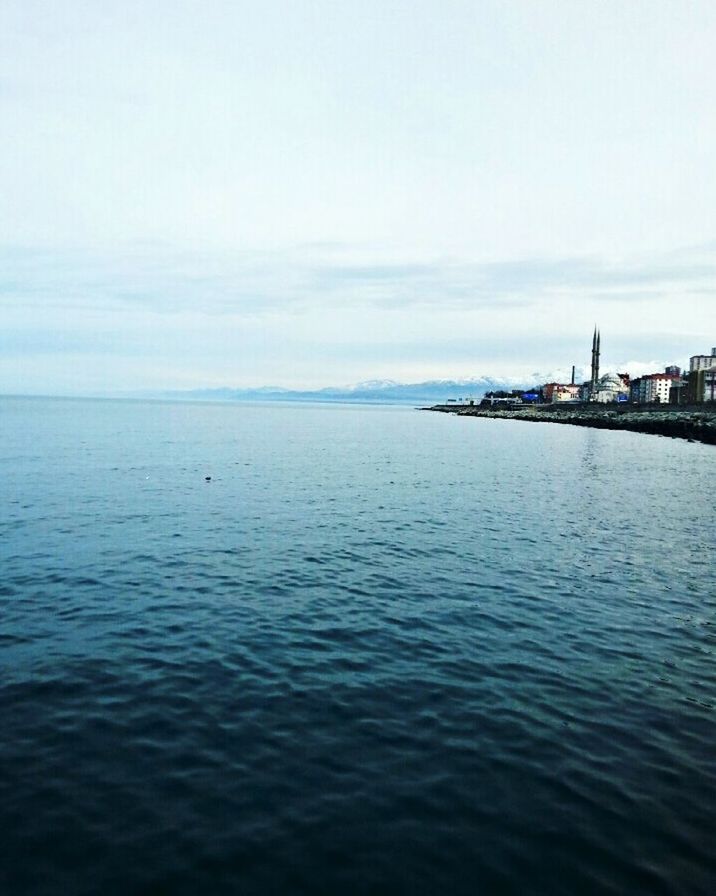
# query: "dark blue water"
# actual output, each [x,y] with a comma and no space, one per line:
[381,651]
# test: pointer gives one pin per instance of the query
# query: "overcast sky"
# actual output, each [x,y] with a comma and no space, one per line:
[317,192]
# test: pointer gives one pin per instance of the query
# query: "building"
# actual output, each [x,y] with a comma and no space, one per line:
[657,388]
[702,372]
[702,362]
[702,385]
[610,387]
[560,392]
[654,388]
[678,391]
[515,397]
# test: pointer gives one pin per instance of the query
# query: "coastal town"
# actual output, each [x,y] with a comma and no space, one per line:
[671,386]
[673,402]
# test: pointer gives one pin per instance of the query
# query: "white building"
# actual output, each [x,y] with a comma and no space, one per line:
[653,388]
[703,362]
[512,399]
[610,387]
[559,392]
[656,389]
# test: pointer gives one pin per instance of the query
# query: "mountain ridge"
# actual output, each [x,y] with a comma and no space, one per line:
[374,391]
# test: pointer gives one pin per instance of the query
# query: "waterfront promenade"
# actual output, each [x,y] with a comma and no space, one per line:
[693,422]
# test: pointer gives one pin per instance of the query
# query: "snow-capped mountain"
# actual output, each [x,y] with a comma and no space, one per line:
[379,391]
[392,392]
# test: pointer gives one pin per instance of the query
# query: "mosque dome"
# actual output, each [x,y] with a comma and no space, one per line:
[611,379]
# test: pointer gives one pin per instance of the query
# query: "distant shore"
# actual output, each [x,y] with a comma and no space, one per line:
[694,422]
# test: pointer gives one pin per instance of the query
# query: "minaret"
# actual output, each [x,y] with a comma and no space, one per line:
[595,361]
[596,372]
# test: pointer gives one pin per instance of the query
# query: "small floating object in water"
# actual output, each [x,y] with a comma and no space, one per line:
[207,478]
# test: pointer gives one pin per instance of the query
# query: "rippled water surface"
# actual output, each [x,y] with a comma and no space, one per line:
[381,651]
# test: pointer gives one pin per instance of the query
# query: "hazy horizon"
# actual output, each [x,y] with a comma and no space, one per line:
[478,384]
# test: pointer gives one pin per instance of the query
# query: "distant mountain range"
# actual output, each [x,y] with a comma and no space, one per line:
[375,391]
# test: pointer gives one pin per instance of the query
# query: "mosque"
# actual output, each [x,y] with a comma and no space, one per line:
[611,386]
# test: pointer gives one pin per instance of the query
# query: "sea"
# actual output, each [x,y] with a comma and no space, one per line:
[332,649]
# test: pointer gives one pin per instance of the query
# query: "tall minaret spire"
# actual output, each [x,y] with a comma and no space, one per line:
[596,338]
[599,339]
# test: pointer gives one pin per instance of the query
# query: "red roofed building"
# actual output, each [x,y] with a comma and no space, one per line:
[653,388]
[555,392]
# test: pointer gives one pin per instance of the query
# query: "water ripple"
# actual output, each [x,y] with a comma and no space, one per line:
[418,661]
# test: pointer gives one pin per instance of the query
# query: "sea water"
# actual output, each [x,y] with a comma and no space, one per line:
[378,651]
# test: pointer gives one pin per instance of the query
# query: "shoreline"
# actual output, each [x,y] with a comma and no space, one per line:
[694,423]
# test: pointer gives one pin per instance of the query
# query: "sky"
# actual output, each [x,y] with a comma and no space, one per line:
[305,193]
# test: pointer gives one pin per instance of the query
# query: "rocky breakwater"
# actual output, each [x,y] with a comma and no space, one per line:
[696,422]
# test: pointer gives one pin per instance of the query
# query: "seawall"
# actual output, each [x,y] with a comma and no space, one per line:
[695,422]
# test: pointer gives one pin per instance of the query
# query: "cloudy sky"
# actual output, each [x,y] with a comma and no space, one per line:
[317,192]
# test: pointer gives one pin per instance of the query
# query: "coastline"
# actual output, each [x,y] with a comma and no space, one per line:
[694,423]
